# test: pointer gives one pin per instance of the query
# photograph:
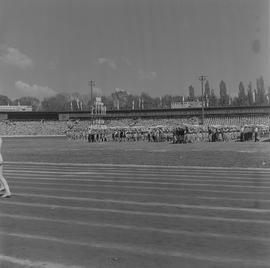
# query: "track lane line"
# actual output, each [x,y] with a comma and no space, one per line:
[118,181]
[138,171]
[142,250]
[136,228]
[36,264]
[145,195]
[147,204]
[128,212]
[137,187]
[142,177]
[138,166]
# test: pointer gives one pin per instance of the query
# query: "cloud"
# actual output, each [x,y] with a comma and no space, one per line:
[35,90]
[143,75]
[109,62]
[126,61]
[153,74]
[13,56]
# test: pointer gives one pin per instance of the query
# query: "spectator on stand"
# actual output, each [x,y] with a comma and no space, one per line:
[256,133]
[242,133]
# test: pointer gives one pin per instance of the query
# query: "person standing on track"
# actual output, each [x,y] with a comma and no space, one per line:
[4,184]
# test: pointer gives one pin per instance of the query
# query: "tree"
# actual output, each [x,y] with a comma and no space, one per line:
[56,103]
[191,93]
[207,89]
[167,101]
[29,101]
[157,102]
[130,100]
[86,102]
[108,102]
[137,102]
[147,101]
[250,95]
[4,100]
[224,98]
[261,98]
[242,98]
[207,93]
[120,99]
[74,101]
[268,96]
[213,101]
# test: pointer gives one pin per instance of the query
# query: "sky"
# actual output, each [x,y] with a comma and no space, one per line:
[154,46]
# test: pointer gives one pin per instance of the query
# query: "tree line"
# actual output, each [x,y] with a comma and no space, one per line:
[121,99]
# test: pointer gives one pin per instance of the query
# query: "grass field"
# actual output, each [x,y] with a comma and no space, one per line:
[61,150]
[142,205]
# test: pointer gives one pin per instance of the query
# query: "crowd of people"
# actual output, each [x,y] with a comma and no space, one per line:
[42,127]
[176,130]
[182,133]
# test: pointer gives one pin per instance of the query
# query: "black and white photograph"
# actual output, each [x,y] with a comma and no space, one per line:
[134,133]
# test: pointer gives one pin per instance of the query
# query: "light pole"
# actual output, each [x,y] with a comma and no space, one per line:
[202,78]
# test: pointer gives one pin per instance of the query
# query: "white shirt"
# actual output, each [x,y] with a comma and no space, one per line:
[1,159]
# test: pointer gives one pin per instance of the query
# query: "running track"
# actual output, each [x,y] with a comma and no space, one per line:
[97,216]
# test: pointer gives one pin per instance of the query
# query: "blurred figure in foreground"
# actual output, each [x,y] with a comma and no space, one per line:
[3,182]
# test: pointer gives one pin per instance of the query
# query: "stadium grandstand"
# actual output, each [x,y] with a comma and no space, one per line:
[53,123]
